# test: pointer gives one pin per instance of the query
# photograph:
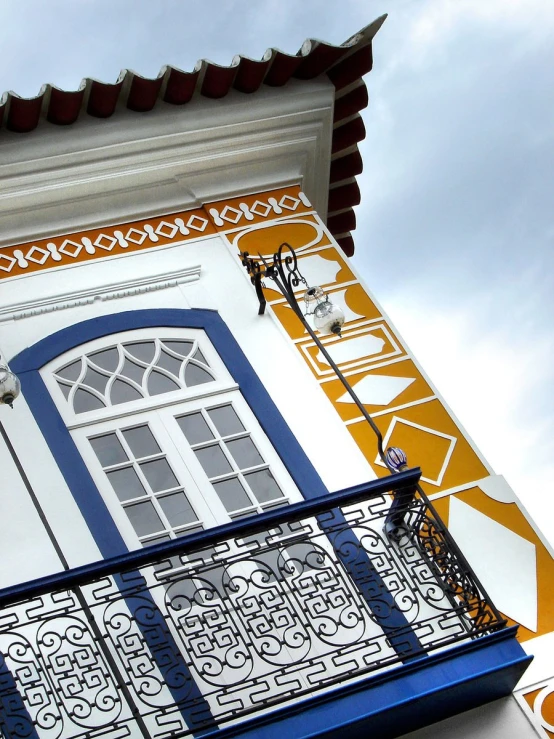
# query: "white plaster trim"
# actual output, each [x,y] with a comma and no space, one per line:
[111,291]
[133,167]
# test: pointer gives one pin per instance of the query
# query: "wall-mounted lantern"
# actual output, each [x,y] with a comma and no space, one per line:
[10,387]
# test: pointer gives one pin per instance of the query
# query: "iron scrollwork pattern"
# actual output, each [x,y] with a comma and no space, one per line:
[289,604]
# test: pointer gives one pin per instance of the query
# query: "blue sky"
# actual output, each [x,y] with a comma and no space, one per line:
[455,232]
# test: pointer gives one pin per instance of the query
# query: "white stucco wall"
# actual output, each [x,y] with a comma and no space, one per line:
[502,719]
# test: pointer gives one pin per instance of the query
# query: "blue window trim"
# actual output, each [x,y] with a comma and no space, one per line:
[28,363]
[27,366]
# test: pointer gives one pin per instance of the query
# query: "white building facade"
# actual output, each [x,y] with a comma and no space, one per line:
[193,509]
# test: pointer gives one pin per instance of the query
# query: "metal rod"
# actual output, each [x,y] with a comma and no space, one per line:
[285,274]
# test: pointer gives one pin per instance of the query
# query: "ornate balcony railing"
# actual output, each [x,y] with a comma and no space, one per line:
[226,624]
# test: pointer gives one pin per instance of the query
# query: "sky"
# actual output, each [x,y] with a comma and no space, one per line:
[455,231]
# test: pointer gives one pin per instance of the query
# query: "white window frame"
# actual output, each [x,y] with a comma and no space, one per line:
[160,412]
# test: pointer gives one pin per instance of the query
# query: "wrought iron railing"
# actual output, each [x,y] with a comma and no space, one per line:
[210,629]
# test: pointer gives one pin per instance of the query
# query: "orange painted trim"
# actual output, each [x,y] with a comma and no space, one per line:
[84,246]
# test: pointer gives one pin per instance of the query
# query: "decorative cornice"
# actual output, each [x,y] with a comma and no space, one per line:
[168,230]
[121,289]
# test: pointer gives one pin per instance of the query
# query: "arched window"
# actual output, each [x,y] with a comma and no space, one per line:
[165,433]
[174,392]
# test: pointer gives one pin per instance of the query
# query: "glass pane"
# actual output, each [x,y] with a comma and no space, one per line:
[142,441]
[71,371]
[126,483]
[156,540]
[226,420]
[177,509]
[263,485]
[132,371]
[232,494]
[200,357]
[123,393]
[195,428]
[193,530]
[180,347]
[108,449]
[84,401]
[143,350]
[159,383]
[66,389]
[244,452]
[159,475]
[144,518]
[96,380]
[195,375]
[107,359]
[169,363]
[213,460]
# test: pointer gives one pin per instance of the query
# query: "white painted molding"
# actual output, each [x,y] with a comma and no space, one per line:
[111,291]
[134,166]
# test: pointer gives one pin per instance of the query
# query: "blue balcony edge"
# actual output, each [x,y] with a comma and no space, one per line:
[403,699]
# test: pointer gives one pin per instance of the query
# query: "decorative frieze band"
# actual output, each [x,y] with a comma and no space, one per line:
[118,239]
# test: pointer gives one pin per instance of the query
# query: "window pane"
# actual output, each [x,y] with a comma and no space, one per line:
[142,441]
[169,363]
[126,483]
[179,347]
[132,371]
[96,380]
[156,540]
[232,494]
[226,420]
[143,350]
[263,485]
[107,359]
[71,371]
[195,428]
[84,401]
[144,518]
[123,393]
[159,383]
[195,375]
[213,460]
[159,475]
[244,452]
[66,389]
[108,449]
[200,357]
[177,509]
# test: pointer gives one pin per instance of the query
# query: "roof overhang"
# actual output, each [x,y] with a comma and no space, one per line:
[88,157]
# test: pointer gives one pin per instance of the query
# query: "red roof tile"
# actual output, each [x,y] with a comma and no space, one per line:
[344,65]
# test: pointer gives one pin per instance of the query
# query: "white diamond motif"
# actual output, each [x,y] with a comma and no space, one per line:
[10,261]
[230,219]
[505,562]
[161,230]
[258,204]
[65,248]
[194,220]
[141,236]
[426,430]
[289,203]
[33,250]
[106,246]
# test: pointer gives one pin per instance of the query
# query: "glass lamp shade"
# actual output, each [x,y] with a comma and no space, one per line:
[328,318]
[10,386]
[312,297]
